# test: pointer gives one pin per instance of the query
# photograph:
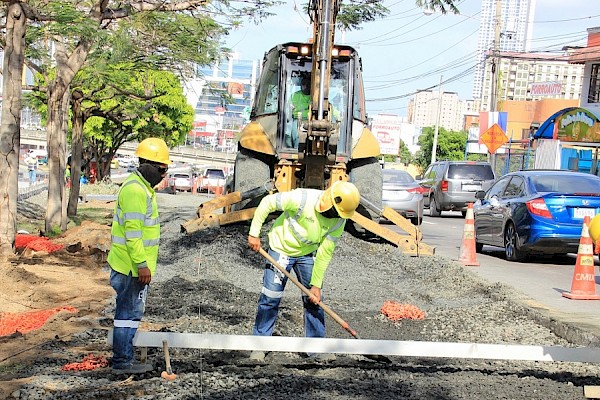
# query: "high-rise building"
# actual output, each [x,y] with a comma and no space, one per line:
[532,76]
[516,30]
[424,109]
[222,95]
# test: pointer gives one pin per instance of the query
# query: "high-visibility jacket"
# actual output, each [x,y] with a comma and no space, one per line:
[301,103]
[135,231]
[300,229]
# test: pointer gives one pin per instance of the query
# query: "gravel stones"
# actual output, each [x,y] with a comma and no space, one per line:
[209,282]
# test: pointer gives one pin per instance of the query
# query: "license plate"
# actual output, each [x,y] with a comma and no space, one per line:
[584,212]
[471,188]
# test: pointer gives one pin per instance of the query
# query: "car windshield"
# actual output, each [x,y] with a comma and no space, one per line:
[470,171]
[215,173]
[185,176]
[391,176]
[566,183]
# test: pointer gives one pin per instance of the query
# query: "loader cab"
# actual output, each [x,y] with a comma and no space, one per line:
[285,67]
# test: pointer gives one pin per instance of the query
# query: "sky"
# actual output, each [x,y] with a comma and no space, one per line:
[410,51]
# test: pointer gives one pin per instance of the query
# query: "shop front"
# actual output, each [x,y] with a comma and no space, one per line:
[569,140]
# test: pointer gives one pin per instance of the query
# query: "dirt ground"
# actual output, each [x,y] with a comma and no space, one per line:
[72,277]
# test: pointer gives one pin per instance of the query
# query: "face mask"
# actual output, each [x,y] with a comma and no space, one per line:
[150,173]
[331,213]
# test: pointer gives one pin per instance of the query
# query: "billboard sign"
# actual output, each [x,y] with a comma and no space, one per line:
[386,129]
[545,88]
[578,125]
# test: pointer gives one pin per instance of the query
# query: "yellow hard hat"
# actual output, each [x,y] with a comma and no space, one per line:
[595,228]
[344,196]
[153,149]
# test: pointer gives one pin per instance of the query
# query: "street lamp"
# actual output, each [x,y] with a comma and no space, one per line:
[437,122]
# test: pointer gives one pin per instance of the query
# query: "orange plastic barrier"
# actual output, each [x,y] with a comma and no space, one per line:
[28,321]
[37,243]
[468,254]
[583,286]
[89,363]
[397,311]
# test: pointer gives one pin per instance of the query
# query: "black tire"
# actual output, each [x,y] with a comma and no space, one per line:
[416,221]
[366,175]
[434,211]
[511,244]
[250,172]
[464,213]
[478,247]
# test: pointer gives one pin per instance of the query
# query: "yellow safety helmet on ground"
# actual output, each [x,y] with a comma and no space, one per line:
[595,228]
[344,196]
[153,149]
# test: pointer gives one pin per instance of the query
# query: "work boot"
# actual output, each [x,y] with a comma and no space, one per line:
[132,368]
[257,355]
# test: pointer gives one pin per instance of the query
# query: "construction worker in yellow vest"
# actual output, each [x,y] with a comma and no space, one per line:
[302,238]
[133,255]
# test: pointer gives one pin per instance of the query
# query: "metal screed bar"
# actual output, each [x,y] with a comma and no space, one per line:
[366,347]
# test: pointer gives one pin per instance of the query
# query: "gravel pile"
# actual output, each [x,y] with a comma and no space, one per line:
[209,282]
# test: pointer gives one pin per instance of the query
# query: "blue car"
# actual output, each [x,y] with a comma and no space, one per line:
[535,212]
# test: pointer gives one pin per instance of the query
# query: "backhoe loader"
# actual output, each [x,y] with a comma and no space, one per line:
[283,148]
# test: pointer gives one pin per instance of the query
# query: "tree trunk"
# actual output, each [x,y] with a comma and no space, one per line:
[54,206]
[10,126]
[76,156]
[65,106]
[66,68]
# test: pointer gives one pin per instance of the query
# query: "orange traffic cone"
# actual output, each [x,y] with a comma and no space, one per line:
[468,254]
[194,185]
[584,278]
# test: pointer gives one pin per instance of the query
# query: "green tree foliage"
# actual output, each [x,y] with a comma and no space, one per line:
[152,104]
[451,146]
[404,154]
[354,13]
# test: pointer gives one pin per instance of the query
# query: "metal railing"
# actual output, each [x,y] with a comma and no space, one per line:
[27,190]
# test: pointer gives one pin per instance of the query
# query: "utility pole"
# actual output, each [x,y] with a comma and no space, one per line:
[496,57]
[495,68]
[437,122]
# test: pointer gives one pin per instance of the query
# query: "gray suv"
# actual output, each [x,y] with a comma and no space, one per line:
[452,184]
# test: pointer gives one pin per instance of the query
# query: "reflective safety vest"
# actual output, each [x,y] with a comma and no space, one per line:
[135,231]
[300,230]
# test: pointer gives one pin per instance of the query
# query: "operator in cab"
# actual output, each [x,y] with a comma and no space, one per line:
[300,104]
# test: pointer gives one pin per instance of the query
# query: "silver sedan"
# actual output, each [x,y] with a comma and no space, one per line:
[403,194]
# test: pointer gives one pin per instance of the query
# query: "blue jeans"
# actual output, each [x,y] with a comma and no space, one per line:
[131,299]
[274,282]
[32,176]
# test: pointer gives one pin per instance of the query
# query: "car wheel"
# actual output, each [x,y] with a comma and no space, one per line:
[434,211]
[478,247]
[416,221]
[511,244]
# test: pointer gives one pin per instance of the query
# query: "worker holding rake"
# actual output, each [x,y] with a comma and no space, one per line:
[302,238]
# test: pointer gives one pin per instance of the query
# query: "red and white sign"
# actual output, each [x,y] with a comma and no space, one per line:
[386,129]
[545,88]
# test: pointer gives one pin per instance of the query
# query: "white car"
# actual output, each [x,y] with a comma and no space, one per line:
[181,181]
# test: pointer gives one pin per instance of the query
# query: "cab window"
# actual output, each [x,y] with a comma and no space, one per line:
[267,96]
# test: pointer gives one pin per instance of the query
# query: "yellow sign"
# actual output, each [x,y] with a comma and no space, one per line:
[494,138]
